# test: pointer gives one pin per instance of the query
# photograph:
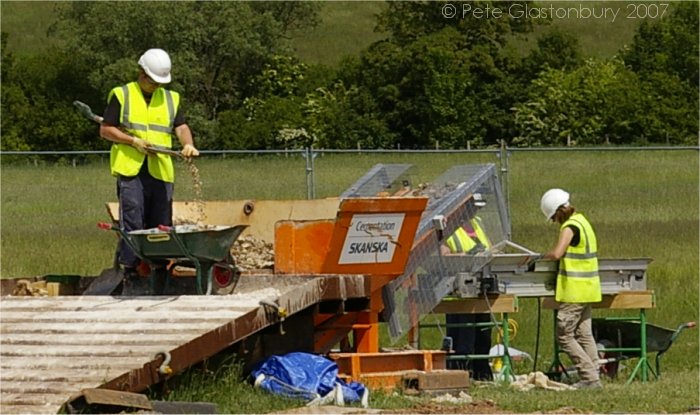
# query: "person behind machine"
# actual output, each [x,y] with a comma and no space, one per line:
[139,115]
[578,284]
[469,239]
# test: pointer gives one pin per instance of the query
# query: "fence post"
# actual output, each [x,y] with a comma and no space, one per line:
[504,155]
[310,155]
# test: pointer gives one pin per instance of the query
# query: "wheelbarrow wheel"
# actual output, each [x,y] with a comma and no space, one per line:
[224,276]
[611,360]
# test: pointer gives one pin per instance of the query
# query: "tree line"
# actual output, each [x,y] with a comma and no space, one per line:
[432,81]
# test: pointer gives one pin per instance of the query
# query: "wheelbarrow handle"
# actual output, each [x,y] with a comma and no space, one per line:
[105,225]
[165,228]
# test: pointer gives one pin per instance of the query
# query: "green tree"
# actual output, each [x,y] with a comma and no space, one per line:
[556,49]
[216,48]
[568,106]
[440,80]
[15,105]
[331,116]
[668,45]
[434,90]
[604,102]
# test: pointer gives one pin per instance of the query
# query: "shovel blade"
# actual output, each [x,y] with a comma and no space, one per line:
[106,283]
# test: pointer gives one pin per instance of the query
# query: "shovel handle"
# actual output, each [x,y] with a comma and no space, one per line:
[164,150]
[86,112]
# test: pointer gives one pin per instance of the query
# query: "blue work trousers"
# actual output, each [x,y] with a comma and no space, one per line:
[144,202]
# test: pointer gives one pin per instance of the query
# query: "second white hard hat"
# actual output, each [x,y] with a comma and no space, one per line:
[156,64]
[551,200]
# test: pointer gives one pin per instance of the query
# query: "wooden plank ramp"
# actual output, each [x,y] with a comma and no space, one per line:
[52,347]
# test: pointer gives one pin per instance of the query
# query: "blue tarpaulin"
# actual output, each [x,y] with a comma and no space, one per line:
[306,376]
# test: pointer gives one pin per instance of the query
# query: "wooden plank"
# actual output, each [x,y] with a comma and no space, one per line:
[503,303]
[116,398]
[621,301]
[20,304]
[107,338]
[39,408]
[30,387]
[186,330]
[81,351]
[59,374]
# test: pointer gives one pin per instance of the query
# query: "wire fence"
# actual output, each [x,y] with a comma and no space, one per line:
[498,155]
[493,150]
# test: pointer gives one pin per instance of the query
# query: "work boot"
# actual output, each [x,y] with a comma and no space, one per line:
[588,384]
[134,284]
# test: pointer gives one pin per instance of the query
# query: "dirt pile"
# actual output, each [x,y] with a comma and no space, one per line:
[26,288]
[251,254]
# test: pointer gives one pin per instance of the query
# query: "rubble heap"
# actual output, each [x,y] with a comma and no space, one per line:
[251,254]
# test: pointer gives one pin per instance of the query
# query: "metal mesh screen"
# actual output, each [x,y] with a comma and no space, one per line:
[382,178]
[428,278]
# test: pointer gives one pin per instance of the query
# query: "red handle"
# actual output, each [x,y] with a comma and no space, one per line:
[690,324]
[104,225]
[164,228]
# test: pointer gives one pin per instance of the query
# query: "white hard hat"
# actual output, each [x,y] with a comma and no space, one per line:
[551,200]
[156,64]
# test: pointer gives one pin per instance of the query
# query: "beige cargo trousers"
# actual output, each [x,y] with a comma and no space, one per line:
[575,337]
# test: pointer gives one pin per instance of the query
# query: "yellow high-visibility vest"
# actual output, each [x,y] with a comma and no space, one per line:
[153,123]
[578,280]
[462,242]
[480,234]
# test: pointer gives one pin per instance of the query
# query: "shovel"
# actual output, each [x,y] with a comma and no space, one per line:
[86,112]
[108,281]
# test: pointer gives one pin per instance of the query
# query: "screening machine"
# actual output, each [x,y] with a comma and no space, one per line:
[505,268]
[489,281]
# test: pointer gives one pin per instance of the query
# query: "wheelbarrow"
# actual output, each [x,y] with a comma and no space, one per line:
[206,248]
[620,340]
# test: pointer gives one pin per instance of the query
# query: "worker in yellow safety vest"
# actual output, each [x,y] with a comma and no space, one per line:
[470,239]
[578,284]
[139,115]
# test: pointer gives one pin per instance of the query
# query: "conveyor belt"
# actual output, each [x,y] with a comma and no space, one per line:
[52,347]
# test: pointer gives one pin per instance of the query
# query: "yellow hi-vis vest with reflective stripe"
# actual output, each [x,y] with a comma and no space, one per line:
[461,241]
[578,280]
[152,122]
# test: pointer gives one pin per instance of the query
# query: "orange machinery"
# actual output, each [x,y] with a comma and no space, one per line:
[372,237]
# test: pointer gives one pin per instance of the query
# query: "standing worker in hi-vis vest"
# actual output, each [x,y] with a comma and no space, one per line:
[469,239]
[578,284]
[139,115]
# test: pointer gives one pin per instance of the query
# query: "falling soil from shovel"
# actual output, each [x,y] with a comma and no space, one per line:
[200,216]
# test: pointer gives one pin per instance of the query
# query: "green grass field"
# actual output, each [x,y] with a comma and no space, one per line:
[642,203]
